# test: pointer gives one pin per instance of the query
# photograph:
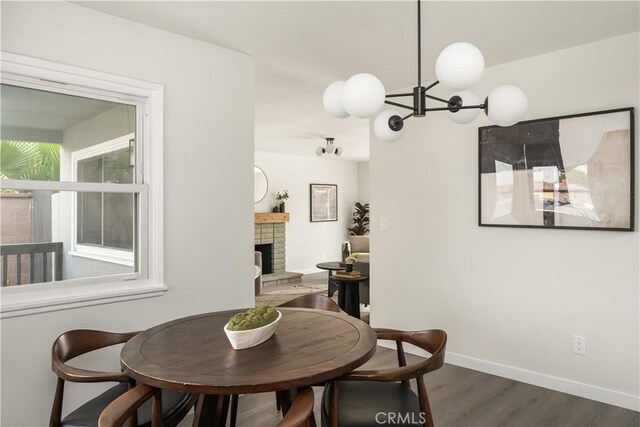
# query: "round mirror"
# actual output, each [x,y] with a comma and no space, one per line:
[260,184]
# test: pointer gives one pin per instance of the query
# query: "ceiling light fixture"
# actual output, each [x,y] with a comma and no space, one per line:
[459,66]
[329,148]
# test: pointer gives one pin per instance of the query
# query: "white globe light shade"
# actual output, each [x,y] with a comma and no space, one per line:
[339,151]
[330,148]
[383,131]
[319,151]
[363,95]
[507,105]
[466,116]
[332,100]
[459,66]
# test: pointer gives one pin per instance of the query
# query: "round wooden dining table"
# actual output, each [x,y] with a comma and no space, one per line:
[193,355]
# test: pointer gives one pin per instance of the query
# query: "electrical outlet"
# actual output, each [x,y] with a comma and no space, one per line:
[580,345]
[383,224]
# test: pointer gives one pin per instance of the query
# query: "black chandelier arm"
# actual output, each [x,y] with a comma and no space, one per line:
[464,107]
[470,107]
[399,105]
[435,98]
[398,95]
[436,83]
[407,116]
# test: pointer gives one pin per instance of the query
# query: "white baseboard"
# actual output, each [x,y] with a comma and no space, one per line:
[588,391]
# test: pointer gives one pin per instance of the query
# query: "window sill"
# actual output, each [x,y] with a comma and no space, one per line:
[113,257]
[42,298]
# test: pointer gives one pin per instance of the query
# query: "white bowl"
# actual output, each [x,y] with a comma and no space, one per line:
[244,339]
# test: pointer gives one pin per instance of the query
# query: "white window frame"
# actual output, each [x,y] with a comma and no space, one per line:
[112,255]
[19,70]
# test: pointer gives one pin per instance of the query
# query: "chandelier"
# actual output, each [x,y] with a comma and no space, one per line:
[458,67]
[329,148]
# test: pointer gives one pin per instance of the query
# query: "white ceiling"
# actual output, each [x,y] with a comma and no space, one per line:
[300,47]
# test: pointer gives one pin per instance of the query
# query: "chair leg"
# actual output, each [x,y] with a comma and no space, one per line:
[425,408]
[278,399]
[333,405]
[157,417]
[56,410]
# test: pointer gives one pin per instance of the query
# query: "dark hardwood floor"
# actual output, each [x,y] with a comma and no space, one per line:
[463,397]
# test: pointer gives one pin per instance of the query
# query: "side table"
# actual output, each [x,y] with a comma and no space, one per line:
[349,294]
[331,266]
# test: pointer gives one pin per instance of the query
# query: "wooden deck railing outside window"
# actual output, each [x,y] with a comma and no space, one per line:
[42,267]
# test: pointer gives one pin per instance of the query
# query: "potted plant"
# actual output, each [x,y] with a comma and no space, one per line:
[360,220]
[281,197]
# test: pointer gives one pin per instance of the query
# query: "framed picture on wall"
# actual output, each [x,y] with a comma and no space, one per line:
[573,172]
[324,202]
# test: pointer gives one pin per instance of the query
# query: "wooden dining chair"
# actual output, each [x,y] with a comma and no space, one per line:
[77,342]
[125,407]
[301,412]
[356,398]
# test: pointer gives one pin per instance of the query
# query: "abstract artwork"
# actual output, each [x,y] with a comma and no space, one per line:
[573,172]
[324,202]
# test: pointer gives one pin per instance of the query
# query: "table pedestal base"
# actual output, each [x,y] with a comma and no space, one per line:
[211,411]
[349,298]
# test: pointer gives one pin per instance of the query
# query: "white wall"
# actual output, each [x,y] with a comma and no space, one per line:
[504,295]
[364,190]
[309,243]
[208,186]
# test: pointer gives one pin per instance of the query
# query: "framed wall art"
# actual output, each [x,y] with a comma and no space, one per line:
[324,202]
[574,172]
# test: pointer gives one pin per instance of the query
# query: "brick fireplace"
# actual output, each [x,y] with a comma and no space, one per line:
[270,240]
[273,235]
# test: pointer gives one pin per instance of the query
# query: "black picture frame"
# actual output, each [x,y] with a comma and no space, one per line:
[323,202]
[539,167]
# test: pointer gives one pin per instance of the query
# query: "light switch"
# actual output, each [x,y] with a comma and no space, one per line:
[383,223]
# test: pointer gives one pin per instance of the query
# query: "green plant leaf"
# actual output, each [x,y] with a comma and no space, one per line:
[360,219]
[29,160]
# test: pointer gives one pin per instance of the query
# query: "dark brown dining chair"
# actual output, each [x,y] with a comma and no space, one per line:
[125,407]
[301,412]
[77,342]
[357,398]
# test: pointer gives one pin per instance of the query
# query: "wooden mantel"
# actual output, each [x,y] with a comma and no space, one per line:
[271,218]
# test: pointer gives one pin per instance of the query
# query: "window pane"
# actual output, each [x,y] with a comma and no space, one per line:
[39,222]
[90,218]
[40,130]
[90,170]
[118,221]
[117,168]
[107,219]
